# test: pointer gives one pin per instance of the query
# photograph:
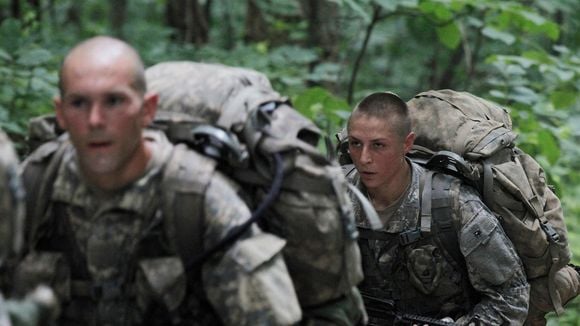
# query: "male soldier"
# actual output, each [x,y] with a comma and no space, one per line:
[484,285]
[109,203]
[40,304]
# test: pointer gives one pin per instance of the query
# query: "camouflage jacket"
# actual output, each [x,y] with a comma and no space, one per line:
[488,284]
[124,267]
[11,202]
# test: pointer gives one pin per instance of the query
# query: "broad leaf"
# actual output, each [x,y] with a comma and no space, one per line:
[34,57]
[549,146]
[563,99]
[449,35]
[495,34]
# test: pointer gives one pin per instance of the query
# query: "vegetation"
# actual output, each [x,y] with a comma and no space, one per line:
[327,54]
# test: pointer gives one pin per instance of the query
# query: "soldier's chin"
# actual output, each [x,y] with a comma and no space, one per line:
[99,166]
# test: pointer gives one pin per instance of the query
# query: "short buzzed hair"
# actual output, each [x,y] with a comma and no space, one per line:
[387,106]
[98,43]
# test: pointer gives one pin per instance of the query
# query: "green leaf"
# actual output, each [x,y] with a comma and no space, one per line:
[391,5]
[549,146]
[10,34]
[539,56]
[449,35]
[495,34]
[563,99]
[532,17]
[524,95]
[387,4]
[5,55]
[438,10]
[563,75]
[354,6]
[34,57]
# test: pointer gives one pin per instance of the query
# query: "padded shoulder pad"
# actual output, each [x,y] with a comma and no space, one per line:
[186,177]
[44,151]
[188,171]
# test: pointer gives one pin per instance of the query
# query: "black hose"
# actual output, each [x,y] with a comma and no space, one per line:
[236,232]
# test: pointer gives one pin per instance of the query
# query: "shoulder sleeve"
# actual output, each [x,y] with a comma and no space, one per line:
[494,268]
[11,201]
[38,172]
[248,284]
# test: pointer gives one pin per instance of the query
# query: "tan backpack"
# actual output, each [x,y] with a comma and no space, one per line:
[470,137]
[294,190]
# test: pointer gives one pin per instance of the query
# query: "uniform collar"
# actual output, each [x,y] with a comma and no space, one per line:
[70,188]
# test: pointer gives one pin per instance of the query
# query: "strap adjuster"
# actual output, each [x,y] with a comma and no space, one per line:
[410,236]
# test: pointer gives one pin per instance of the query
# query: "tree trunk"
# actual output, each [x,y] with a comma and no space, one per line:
[35,4]
[323,26]
[118,16]
[188,19]
[229,35]
[200,27]
[73,15]
[256,28]
[15,10]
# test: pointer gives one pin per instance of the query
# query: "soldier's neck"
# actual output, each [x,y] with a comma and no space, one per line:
[391,192]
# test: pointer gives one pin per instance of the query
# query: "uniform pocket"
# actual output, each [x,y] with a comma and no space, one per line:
[487,250]
[161,280]
[252,252]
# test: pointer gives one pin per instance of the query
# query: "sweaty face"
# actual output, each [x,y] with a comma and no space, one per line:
[103,114]
[377,151]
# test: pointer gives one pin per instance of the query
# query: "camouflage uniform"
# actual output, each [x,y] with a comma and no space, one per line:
[123,263]
[11,214]
[11,201]
[487,285]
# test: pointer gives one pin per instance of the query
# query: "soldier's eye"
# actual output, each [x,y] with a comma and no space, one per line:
[114,101]
[78,103]
[354,143]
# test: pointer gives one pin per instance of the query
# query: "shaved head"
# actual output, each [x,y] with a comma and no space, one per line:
[386,106]
[102,51]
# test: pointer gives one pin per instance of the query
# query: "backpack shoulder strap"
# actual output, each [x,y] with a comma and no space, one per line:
[437,203]
[186,176]
[38,175]
[444,228]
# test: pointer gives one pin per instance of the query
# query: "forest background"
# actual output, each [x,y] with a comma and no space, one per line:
[327,54]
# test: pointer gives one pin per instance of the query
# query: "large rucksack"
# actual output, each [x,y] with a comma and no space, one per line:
[271,150]
[464,135]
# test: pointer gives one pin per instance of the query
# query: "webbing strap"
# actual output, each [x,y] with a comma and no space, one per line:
[556,266]
[487,192]
[370,234]
[39,180]
[294,181]
[491,139]
[368,209]
[183,209]
[443,218]
[426,202]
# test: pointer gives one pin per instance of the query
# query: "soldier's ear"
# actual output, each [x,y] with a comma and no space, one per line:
[149,108]
[409,141]
[58,111]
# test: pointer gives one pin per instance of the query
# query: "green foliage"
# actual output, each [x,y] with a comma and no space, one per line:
[328,111]
[27,78]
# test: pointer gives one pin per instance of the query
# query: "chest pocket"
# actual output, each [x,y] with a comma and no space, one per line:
[425,267]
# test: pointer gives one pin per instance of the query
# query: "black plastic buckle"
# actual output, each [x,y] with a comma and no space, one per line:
[106,290]
[551,233]
[408,237]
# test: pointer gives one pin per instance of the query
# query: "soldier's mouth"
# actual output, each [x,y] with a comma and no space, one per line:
[99,144]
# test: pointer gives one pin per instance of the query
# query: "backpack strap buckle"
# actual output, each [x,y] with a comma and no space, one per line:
[551,233]
[408,237]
